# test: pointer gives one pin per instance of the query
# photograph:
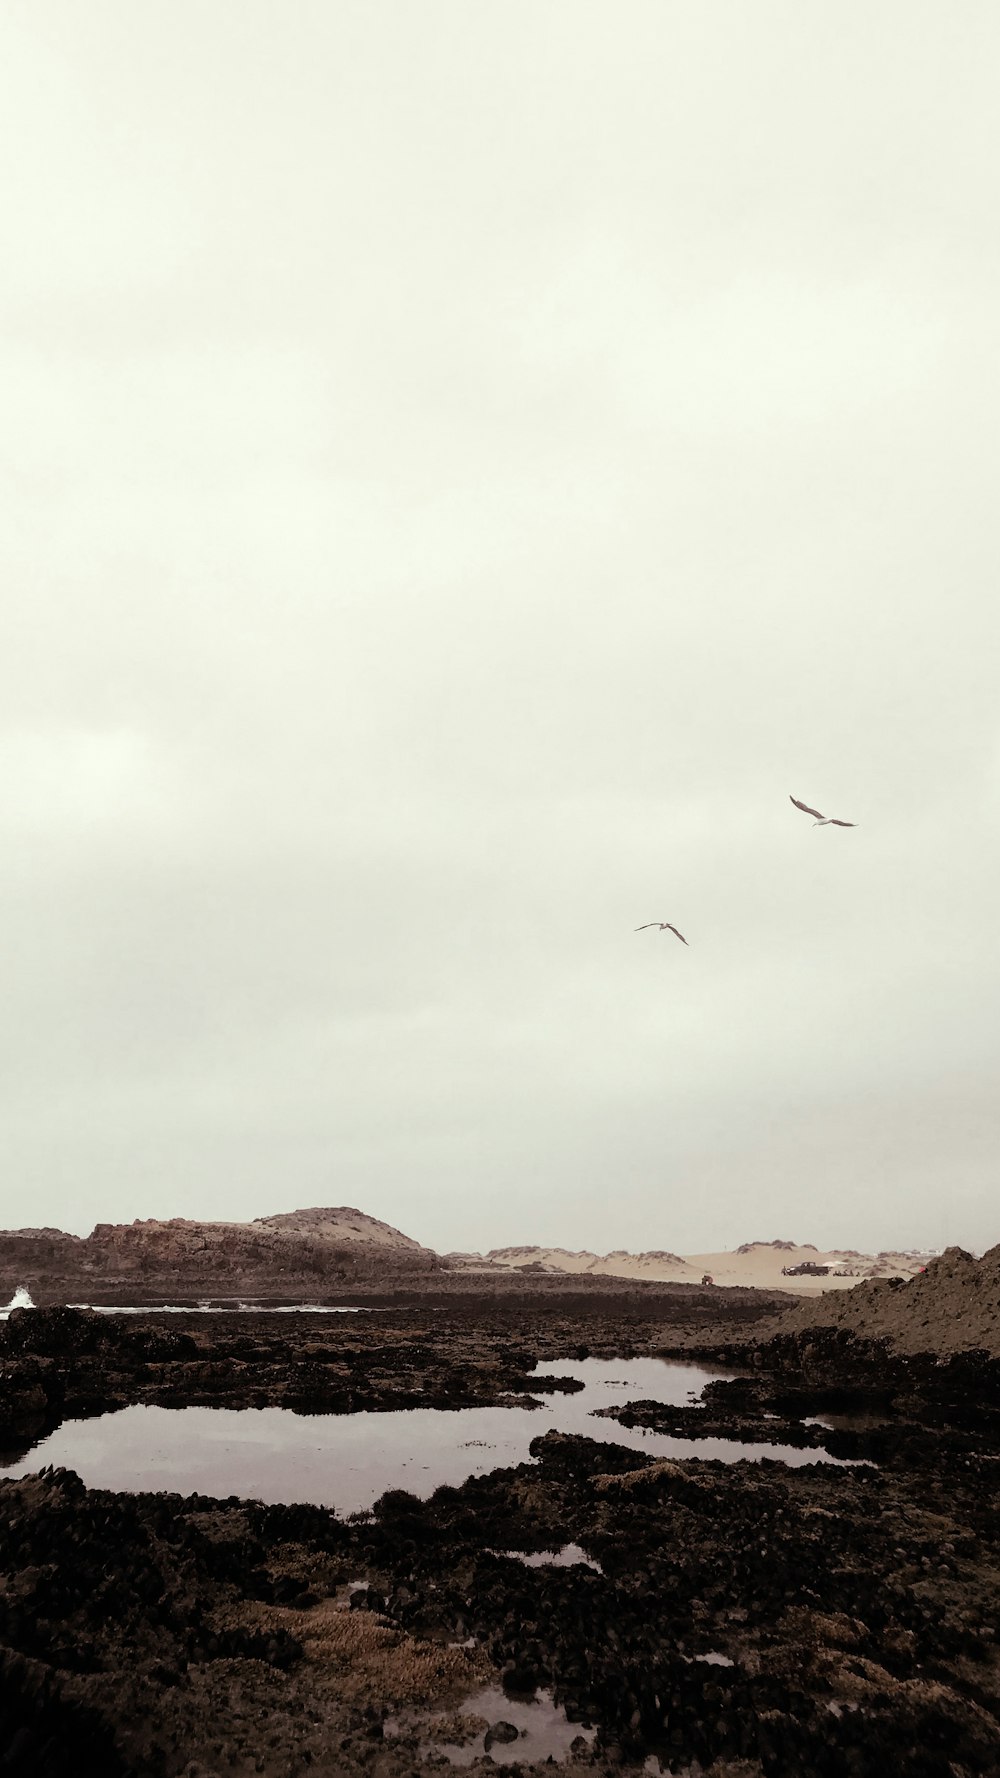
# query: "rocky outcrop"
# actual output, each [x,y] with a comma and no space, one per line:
[953,1305]
[318,1250]
[336,1227]
[27,1252]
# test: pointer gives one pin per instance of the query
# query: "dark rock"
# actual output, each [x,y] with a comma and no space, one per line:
[500,1732]
[520,1680]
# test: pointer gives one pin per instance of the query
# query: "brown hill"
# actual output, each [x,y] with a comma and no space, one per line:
[338,1226]
[951,1306]
[279,1256]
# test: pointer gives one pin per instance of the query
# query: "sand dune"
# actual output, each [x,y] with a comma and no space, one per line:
[757,1264]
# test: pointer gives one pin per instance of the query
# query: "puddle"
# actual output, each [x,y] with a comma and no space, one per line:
[543,1730]
[346,1461]
[655,1769]
[570,1556]
[848,1422]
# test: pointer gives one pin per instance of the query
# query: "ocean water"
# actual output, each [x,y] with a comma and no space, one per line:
[224,1305]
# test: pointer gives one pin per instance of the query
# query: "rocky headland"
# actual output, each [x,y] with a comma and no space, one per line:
[315,1250]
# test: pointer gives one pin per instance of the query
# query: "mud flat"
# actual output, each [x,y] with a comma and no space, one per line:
[605,1608]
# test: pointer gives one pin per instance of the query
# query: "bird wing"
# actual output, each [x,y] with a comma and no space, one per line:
[806,810]
[648,924]
[835,823]
[665,926]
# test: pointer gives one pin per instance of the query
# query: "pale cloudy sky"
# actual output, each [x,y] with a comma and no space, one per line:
[463,466]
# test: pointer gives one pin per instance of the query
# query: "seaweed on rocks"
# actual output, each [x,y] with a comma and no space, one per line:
[45,1733]
[757,1619]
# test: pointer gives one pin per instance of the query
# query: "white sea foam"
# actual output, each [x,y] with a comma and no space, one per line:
[226,1308]
[20,1300]
[221,1306]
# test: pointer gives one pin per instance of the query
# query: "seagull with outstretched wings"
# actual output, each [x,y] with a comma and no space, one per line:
[821,820]
[663,926]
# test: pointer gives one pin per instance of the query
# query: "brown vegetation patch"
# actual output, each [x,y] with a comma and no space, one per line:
[366,1655]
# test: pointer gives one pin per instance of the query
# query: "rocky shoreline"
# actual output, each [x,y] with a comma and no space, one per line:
[742,1619]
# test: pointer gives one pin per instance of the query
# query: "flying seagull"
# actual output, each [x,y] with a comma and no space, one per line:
[821,820]
[663,926]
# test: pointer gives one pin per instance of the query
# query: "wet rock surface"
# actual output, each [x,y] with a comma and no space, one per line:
[741,1619]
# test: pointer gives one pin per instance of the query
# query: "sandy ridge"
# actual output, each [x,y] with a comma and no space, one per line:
[756,1264]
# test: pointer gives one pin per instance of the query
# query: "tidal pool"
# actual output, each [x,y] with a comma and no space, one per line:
[541,1730]
[569,1556]
[346,1461]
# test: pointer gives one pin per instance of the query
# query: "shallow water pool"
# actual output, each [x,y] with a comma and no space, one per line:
[541,1730]
[347,1461]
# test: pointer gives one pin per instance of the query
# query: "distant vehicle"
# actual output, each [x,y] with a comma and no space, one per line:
[808,1269]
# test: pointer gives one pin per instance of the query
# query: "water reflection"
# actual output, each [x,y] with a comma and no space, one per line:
[849,1422]
[347,1461]
[538,1729]
[569,1556]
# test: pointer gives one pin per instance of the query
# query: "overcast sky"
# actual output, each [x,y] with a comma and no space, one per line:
[464,466]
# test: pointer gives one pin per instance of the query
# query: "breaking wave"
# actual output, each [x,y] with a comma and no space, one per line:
[20,1300]
[226,1307]
[206,1306]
